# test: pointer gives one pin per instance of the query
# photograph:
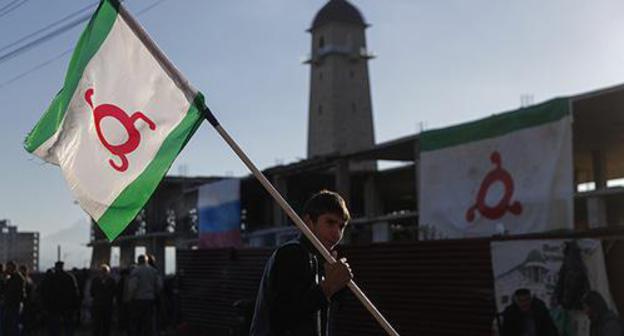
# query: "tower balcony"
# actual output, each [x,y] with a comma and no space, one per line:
[350,52]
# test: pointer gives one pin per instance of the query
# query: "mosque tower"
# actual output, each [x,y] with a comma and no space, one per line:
[340,117]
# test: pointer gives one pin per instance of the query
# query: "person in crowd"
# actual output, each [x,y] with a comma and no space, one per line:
[603,321]
[61,300]
[297,291]
[144,284]
[159,308]
[527,316]
[82,311]
[2,289]
[103,288]
[13,297]
[122,299]
[28,309]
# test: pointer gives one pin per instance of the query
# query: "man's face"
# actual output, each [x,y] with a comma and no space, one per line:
[588,311]
[524,302]
[328,228]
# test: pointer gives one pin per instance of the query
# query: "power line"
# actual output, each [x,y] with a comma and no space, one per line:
[56,23]
[149,8]
[11,6]
[35,68]
[16,52]
[11,54]
[51,60]
[11,3]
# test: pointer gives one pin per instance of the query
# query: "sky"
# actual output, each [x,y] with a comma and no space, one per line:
[438,63]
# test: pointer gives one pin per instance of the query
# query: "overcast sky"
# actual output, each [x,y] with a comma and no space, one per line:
[438,63]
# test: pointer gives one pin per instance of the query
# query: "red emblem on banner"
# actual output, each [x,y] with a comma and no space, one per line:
[134,136]
[498,174]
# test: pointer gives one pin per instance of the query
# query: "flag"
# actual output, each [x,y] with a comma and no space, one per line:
[506,174]
[219,214]
[118,123]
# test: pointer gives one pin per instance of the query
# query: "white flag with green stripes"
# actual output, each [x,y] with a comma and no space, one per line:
[506,174]
[121,118]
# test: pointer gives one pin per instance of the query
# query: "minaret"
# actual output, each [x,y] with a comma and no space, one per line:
[340,117]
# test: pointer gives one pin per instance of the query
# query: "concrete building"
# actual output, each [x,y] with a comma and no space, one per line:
[20,247]
[168,220]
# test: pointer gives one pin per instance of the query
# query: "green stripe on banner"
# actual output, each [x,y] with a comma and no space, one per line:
[495,126]
[90,41]
[132,199]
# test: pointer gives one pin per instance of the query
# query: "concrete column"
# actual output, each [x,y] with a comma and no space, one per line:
[279,216]
[596,206]
[343,180]
[416,173]
[372,202]
[100,255]
[381,232]
[417,185]
[157,249]
[126,255]
[599,167]
[596,212]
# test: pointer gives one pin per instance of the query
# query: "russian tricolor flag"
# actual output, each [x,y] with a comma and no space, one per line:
[219,214]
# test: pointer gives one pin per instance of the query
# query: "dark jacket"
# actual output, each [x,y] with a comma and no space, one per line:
[514,320]
[290,300]
[604,322]
[103,291]
[60,292]
[14,291]
[608,324]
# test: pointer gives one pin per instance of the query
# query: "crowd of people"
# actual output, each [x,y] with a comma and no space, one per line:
[130,301]
[529,316]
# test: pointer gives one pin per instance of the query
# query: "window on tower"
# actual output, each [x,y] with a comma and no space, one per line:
[321,43]
[320,110]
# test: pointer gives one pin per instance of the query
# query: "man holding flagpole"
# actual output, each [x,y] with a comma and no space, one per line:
[296,291]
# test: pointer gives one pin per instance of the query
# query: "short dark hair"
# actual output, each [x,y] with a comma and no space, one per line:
[522,292]
[141,259]
[326,201]
[595,301]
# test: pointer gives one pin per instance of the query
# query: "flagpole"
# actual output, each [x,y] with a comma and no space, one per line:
[297,220]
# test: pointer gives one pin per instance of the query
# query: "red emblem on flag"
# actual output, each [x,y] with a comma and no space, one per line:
[498,174]
[134,136]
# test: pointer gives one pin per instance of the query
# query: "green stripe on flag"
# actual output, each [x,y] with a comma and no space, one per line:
[132,199]
[90,41]
[495,126]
